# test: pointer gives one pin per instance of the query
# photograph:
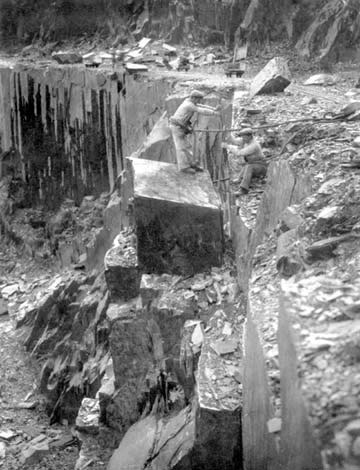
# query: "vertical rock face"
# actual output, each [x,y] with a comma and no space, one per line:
[259,448]
[178,219]
[63,327]
[134,365]
[324,29]
[84,122]
[218,423]
[334,29]
[206,21]
[299,448]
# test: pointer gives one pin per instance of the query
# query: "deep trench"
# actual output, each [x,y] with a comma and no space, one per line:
[66,135]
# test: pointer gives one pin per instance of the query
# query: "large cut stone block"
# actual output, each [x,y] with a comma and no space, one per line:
[178,219]
[133,362]
[274,77]
[121,266]
[170,311]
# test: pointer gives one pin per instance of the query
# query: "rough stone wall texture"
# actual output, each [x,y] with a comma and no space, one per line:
[325,28]
[320,28]
[283,189]
[299,449]
[62,326]
[259,447]
[336,28]
[73,126]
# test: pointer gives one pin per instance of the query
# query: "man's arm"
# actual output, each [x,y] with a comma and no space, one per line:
[206,110]
[236,141]
[233,148]
[248,150]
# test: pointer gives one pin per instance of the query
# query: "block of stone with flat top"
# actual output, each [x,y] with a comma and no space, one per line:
[178,219]
[121,266]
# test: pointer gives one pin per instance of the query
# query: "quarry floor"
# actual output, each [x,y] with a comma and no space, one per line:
[22,409]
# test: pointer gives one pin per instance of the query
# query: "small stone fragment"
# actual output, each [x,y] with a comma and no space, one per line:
[320,79]
[88,416]
[353,428]
[343,441]
[3,308]
[67,57]
[290,219]
[169,49]
[224,347]
[132,68]
[63,441]
[2,450]
[199,286]
[35,450]
[144,42]
[324,249]
[198,336]
[27,405]
[7,434]
[356,142]
[227,330]
[328,213]
[356,447]
[9,290]
[121,267]
[274,425]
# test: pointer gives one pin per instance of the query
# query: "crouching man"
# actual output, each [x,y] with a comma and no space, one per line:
[248,147]
[181,127]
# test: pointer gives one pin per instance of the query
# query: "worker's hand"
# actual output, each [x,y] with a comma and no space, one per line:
[224,145]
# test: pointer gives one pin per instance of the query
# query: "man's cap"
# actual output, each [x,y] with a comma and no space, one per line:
[196,94]
[246,131]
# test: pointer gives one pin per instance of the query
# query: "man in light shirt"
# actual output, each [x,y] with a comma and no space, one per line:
[248,147]
[181,127]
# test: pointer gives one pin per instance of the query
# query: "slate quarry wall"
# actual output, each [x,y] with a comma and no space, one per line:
[70,127]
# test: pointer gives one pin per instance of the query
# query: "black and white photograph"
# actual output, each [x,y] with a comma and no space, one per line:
[180,234]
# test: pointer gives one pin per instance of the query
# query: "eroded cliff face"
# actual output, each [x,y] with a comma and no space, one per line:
[71,127]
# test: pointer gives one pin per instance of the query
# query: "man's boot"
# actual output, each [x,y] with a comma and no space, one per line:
[188,170]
